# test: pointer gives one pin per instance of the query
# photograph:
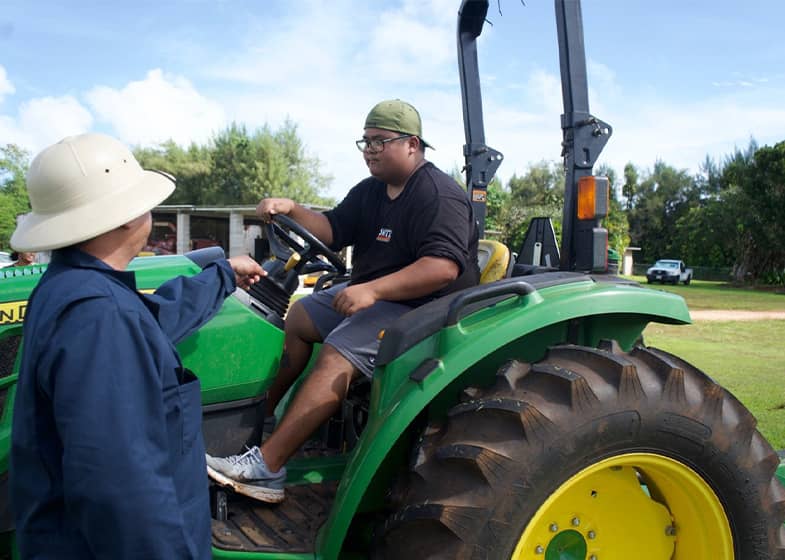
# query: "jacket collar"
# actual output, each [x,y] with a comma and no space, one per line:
[75,258]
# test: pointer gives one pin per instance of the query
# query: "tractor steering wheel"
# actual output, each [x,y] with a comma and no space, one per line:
[282,244]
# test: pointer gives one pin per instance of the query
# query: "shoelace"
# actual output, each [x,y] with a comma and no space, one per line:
[248,458]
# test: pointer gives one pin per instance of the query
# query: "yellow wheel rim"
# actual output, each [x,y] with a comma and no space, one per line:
[637,505]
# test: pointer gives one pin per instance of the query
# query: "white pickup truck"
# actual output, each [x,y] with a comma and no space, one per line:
[667,270]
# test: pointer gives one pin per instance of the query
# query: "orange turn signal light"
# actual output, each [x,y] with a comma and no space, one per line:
[593,194]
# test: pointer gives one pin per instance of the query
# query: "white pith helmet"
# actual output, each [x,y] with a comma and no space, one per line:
[82,187]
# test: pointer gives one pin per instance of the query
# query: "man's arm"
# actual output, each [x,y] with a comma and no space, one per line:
[315,222]
[424,276]
[183,304]
[111,415]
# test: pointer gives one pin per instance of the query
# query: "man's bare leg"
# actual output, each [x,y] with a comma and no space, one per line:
[315,402]
[299,337]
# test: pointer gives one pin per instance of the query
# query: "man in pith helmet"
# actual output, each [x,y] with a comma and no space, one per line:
[107,457]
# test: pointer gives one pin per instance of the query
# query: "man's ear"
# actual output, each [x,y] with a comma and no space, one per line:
[414,144]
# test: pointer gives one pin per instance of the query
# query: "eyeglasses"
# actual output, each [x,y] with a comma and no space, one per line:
[375,145]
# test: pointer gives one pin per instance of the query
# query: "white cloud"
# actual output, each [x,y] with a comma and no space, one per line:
[683,135]
[308,46]
[6,87]
[49,119]
[44,120]
[525,125]
[157,108]
[342,43]
[544,92]
[415,44]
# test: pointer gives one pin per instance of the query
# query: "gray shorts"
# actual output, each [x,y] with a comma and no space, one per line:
[355,337]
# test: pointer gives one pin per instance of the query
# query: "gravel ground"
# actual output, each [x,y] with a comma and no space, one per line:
[733,315]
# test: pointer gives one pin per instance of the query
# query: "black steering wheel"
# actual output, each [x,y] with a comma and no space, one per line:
[282,245]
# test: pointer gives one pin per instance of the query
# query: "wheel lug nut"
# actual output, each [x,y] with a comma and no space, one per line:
[575,521]
[553,527]
[538,549]
[591,534]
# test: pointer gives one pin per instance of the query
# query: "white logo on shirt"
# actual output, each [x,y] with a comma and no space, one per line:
[385,234]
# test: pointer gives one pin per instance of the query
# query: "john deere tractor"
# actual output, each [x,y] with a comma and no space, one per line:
[524,418]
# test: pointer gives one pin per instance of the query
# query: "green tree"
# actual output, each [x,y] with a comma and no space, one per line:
[630,187]
[538,192]
[708,181]
[616,221]
[13,191]
[756,192]
[497,203]
[191,166]
[663,196]
[238,167]
[704,236]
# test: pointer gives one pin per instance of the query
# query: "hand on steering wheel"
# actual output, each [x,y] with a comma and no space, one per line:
[282,244]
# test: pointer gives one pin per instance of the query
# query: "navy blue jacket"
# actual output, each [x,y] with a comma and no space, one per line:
[107,457]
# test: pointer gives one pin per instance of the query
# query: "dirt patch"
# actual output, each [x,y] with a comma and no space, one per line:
[734,315]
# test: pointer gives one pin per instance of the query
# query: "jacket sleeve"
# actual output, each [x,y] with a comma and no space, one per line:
[113,413]
[185,303]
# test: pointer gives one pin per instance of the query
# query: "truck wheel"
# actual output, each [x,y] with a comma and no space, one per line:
[688,280]
[592,453]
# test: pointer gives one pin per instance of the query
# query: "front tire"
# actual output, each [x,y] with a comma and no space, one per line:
[593,452]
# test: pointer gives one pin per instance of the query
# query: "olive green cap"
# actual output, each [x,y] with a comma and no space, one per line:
[397,116]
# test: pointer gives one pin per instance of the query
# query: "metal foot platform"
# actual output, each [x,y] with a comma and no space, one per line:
[291,526]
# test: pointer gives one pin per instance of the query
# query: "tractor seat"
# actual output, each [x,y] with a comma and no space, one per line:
[493,259]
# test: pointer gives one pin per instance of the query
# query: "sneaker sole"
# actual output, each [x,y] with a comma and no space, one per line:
[267,495]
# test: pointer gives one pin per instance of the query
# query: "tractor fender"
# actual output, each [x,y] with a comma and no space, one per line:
[521,326]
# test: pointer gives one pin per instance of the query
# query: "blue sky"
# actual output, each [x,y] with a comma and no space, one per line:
[677,79]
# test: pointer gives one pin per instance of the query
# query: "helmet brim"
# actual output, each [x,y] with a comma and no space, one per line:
[43,232]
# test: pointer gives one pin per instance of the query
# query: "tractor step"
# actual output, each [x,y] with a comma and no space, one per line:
[291,526]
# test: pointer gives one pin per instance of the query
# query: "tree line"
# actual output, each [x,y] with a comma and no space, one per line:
[729,214]
[240,167]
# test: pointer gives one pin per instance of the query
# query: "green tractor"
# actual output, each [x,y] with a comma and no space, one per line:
[523,418]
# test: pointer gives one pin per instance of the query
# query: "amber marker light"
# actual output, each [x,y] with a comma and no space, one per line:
[592,197]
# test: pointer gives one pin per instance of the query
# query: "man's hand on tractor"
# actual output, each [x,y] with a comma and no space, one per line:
[246,270]
[270,206]
[355,298]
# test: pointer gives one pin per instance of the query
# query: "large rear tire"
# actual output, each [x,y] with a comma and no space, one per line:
[592,453]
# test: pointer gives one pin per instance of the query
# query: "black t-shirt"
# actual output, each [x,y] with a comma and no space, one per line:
[432,217]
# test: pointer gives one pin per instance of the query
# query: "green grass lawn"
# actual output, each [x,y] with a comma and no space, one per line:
[701,294]
[745,357]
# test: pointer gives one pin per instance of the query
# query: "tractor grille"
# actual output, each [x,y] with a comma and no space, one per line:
[8,349]
[9,346]
[3,397]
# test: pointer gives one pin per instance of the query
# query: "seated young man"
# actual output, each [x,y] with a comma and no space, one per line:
[415,239]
